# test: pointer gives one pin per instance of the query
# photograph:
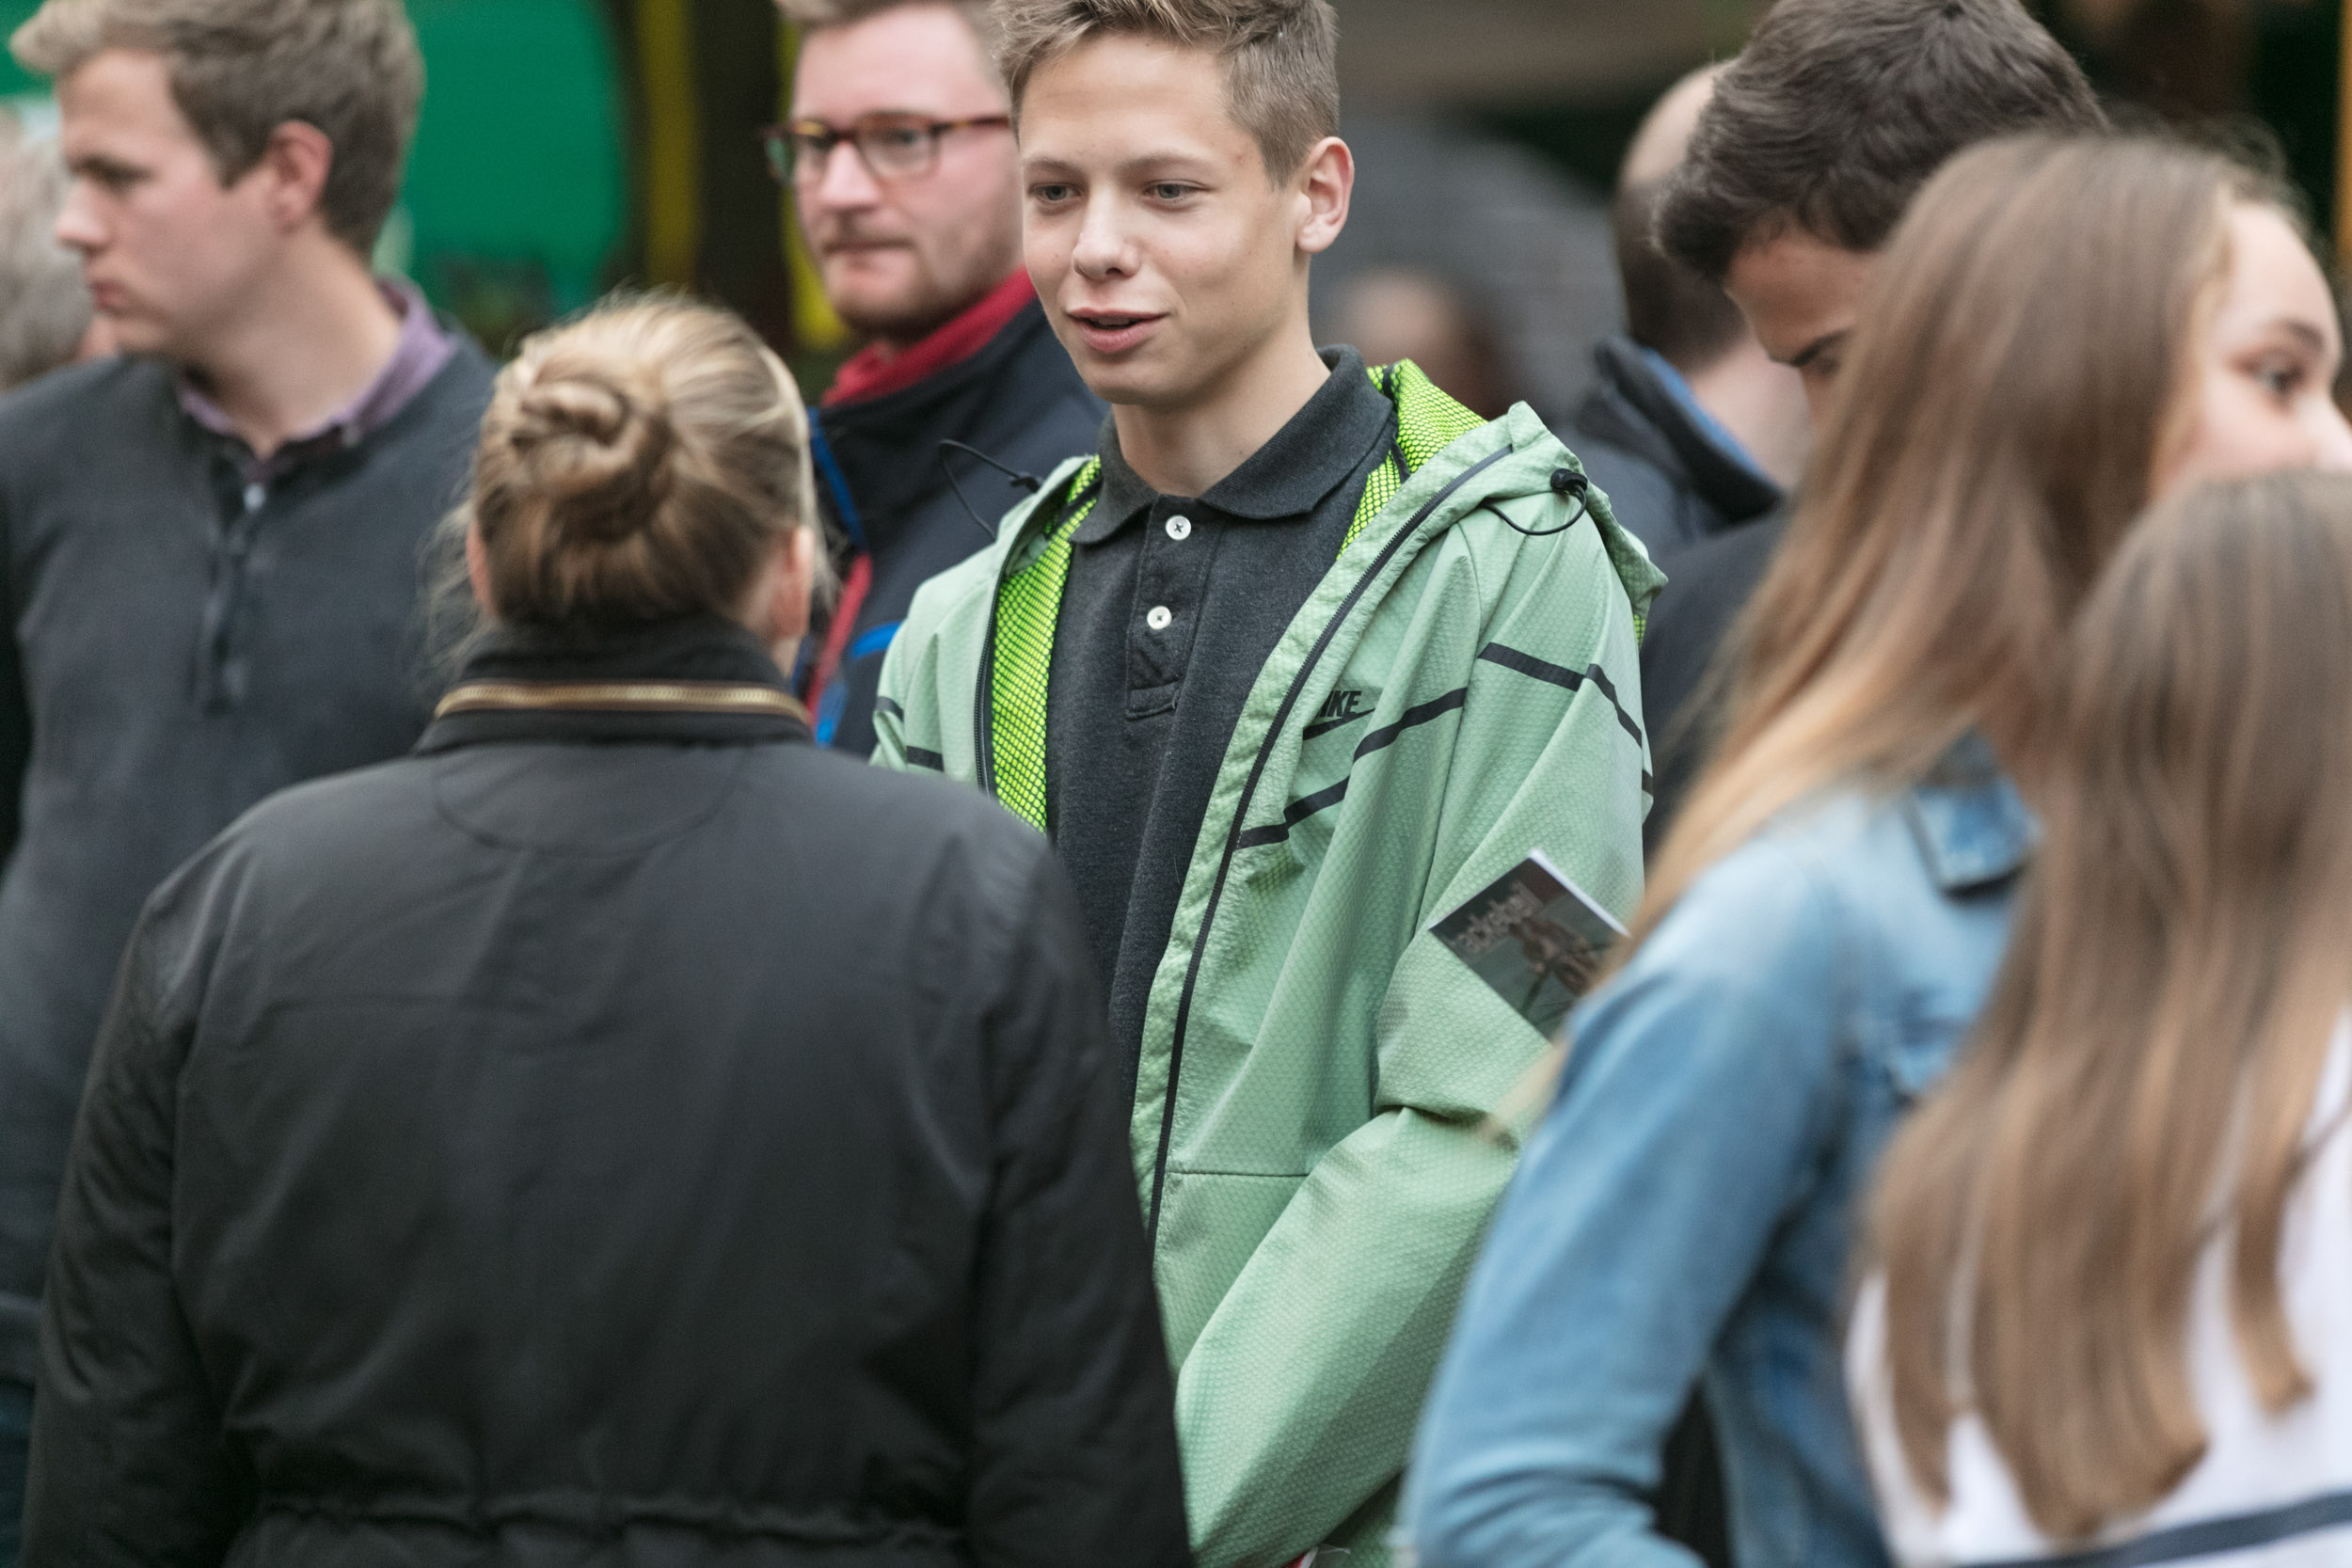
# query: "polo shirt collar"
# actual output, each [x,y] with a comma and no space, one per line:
[1316,451]
[419,353]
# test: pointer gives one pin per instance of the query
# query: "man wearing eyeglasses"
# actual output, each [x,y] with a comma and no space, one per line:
[899,157]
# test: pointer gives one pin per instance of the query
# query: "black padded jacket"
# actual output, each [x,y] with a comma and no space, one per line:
[614,1134]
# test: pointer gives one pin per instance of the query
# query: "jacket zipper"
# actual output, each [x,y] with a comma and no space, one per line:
[1248,793]
[983,707]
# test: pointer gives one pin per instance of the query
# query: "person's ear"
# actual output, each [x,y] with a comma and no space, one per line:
[478,570]
[1325,182]
[294,163]
[791,582]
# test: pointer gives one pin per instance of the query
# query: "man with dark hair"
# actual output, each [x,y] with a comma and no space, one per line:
[1823,129]
[211,544]
[1301,659]
[900,160]
[1798,170]
[1689,427]
[1801,162]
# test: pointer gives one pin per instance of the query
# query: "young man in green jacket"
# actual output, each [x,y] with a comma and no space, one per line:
[1302,659]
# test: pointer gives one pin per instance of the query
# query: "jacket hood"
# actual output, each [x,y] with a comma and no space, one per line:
[1631,404]
[1537,464]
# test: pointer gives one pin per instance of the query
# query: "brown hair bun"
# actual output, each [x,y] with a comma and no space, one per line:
[600,455]
[638,463]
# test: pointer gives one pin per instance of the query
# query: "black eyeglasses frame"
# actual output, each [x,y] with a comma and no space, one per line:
[807,145]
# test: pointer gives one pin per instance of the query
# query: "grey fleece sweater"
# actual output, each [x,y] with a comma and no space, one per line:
[177,653]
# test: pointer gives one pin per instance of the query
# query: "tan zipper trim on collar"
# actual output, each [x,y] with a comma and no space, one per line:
[620,697]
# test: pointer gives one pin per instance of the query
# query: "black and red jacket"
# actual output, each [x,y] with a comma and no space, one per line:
[895,518]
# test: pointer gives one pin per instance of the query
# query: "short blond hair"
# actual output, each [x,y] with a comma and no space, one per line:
[240,69]
[638,463]
[1282,57]
[814,15]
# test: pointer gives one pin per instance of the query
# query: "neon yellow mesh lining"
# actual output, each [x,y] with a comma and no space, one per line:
[1028,603]
[1427,423]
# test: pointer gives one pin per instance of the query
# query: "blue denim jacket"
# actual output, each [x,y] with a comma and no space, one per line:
[1686,1207]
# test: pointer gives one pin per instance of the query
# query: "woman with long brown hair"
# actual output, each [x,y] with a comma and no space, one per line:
[2115,1251]
[2059,331]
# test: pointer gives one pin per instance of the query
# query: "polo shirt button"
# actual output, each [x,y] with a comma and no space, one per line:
[1157,617]
[1179,528]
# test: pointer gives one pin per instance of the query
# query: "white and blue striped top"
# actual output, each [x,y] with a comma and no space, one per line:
[2271,1492]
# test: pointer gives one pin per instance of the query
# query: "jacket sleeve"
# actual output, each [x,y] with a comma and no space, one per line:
[1076,1462]
[1296,1404]
[910,668]
[1689,1121]
[130,1464]
[890,714]
[895,689]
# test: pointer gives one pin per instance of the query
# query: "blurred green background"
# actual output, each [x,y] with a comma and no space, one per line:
[569,146]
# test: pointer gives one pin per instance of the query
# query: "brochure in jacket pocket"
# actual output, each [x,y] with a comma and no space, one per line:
[1534,936]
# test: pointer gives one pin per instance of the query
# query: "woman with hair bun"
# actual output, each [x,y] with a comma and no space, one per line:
[621,1131]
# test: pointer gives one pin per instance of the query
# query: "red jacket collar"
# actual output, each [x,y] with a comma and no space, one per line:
[867,374]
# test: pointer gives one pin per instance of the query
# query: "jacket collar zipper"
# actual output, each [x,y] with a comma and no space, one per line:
[1248,793]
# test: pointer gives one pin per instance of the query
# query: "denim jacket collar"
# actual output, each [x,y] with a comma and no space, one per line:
[1972,826]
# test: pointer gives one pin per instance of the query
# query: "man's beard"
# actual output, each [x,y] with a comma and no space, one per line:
[925,296]
[903,321]
[905,313]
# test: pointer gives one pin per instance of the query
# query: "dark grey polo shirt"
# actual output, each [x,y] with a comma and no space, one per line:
[188,630]
[1173,605]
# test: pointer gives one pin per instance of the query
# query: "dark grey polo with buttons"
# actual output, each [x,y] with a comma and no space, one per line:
[1173,605]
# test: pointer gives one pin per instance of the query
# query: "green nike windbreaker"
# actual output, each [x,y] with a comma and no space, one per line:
[1461,687]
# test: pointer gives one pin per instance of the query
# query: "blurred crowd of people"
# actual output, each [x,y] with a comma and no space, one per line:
[601,964]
